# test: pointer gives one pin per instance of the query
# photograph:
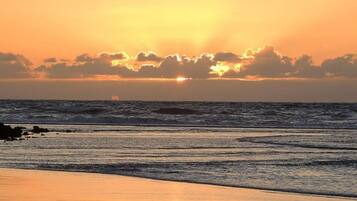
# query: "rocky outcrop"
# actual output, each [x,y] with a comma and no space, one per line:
[9,133]
[37,130]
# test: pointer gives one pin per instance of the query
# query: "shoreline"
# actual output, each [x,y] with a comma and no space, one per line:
[253,193]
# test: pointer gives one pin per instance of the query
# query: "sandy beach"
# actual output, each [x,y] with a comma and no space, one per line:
[34,185]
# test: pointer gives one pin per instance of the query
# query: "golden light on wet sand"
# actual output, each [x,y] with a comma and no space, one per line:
[33,185]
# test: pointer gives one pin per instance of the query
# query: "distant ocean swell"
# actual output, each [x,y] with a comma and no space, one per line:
[205,114]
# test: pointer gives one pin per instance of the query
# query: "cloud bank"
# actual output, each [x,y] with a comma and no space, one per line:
[14,66]
[262,63]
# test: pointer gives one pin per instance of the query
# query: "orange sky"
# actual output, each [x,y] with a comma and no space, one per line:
[43,28]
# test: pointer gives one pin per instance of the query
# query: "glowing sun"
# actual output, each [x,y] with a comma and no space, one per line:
[181,79]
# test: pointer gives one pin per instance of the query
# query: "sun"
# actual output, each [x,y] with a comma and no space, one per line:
[181,79]
[115,98]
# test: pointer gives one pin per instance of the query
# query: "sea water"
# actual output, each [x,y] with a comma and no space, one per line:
[307,148]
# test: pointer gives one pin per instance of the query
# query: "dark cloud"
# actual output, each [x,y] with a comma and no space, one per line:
[102,57]
[176,65]
[267,63]
[227,57]
[305,68]
[345,66]
[113,56]
[146,71]
[14,66]
[150,56]
[50,60]
[13,58]
[201,66]
[84,58]
[85,66]
[173,65]
[83,70]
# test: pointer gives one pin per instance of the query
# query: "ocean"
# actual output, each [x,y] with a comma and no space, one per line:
[292,147]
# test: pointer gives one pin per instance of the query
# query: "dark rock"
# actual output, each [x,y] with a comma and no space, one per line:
[175,111]
[8,133]
[37,129]
[26,134]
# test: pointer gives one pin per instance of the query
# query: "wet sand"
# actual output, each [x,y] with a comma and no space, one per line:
[35,185]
